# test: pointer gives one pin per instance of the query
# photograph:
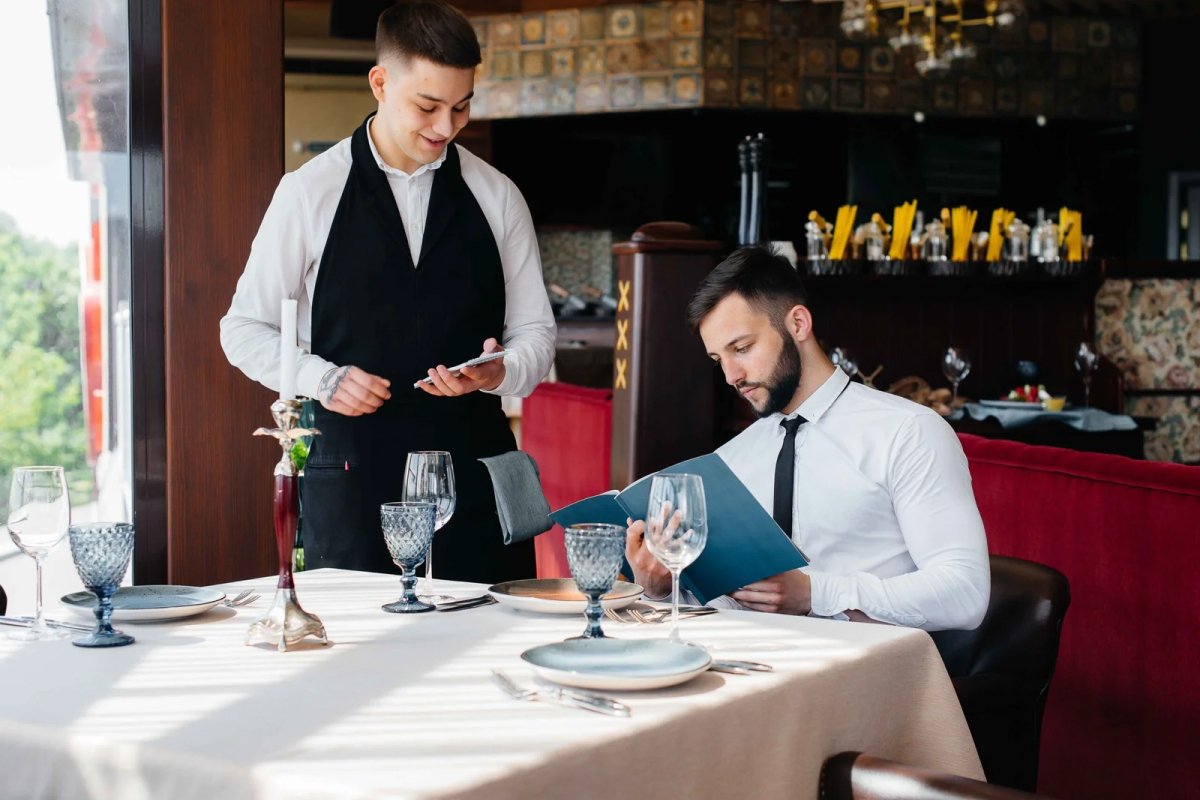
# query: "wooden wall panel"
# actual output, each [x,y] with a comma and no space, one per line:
[222,151]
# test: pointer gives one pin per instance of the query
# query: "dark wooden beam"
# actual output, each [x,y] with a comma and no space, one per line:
[223,157]
[147,325]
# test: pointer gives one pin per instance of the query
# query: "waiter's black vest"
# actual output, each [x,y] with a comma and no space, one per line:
[374,309]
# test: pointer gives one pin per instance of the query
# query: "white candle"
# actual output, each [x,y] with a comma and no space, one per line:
[287,349]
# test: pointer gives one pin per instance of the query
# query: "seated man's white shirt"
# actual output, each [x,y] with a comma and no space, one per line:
[883,509]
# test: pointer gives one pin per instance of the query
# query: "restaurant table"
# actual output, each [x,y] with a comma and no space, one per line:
[403,706]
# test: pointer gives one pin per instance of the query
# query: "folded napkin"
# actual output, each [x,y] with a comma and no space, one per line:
[520,503]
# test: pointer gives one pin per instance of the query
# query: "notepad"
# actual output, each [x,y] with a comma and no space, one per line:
[744,542]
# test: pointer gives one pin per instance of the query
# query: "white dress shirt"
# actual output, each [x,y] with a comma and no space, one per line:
[883,506]
[286,254]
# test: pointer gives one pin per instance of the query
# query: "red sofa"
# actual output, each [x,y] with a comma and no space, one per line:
[1124,705]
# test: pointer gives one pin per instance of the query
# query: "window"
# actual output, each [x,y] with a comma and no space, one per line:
[65,382]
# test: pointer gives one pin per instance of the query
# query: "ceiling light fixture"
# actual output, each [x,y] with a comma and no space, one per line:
[933,28]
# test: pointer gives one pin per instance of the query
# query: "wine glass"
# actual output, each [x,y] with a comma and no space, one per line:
[676,528]
[594,553]
[955,366]
[429,477]
[38,516]
[1086,361]
[842,358]
[101,552]
[408,531]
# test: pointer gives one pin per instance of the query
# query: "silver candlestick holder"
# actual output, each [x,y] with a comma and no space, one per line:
[285,622]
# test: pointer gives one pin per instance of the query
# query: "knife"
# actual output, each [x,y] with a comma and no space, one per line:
[470,602]
[589,700]
[27,622]
[736,667]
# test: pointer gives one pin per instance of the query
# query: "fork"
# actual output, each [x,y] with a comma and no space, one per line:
[244,597]
[662,615]
[562,696]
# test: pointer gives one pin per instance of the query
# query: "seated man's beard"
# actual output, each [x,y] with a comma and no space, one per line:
[781,386]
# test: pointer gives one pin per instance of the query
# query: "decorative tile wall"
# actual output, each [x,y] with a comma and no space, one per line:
[789,55]
[1150,330]
[575,259]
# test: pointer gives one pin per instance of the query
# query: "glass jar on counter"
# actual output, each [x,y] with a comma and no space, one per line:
[873,242]
[1016,243]
[814,240]
[937,244]
[1045,241]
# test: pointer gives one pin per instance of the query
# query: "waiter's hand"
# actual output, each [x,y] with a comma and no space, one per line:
[353,392]
[471,379]
[647,570]
[786,593]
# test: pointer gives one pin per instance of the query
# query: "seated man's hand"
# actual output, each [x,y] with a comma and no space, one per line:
[786,593]
[471,379]
[353,392]
[647,571]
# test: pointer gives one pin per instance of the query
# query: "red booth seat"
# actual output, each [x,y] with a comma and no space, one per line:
[1124,704]
[568,432]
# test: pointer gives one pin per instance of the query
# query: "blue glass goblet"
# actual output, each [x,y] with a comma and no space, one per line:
[594,553]
[408,530]
[101,551]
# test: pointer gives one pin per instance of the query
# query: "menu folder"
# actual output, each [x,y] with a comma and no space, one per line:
[744,542]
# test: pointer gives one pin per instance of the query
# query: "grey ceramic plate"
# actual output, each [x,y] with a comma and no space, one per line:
[148,603]
[559,595]
[1019,405]
[618,663]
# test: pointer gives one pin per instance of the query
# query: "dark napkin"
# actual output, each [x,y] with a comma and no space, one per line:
[520,503]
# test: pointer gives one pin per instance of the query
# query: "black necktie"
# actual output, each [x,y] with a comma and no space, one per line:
[785,474]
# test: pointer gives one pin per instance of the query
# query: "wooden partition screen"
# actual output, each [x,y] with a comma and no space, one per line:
[664,386]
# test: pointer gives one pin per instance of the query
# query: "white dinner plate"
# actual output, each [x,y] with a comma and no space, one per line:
[618,663]
[558,595]
[1018,404]
[148,603]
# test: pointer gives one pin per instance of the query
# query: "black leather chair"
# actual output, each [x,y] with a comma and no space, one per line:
[1002,669]
[3,601]
[856,776]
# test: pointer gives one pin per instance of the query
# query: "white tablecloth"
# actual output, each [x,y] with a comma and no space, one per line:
[403,706]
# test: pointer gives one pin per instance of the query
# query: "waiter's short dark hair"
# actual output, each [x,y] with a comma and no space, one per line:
[428,29]
[764,278]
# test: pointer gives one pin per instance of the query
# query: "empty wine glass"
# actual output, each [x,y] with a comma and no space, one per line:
[955,366]
[842,358]
[101,552]
[1086,361]
[594,553]
[39,511]
[676,528]
[429,477]
[408,531]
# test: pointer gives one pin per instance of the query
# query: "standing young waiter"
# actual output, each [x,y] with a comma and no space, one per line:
[404,251]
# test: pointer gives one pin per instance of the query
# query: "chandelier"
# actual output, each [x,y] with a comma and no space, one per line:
[933,29]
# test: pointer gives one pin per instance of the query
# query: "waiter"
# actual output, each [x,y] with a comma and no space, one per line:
[404,251]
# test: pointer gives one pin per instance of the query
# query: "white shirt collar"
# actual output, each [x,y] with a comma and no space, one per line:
[390,170]
[819,401]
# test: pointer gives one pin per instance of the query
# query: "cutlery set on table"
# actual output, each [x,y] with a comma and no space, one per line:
[569,673]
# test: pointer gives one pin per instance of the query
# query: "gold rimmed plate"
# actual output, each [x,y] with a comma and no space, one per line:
[559,595]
